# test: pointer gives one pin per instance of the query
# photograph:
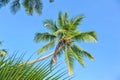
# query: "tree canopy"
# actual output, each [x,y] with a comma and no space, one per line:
[30,6]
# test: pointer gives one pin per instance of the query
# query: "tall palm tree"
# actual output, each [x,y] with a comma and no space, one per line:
[10,69]
[3,52]
[63,35]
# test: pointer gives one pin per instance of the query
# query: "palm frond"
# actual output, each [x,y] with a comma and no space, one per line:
[3,2]
[66,20]
[3,52]
[51,1]
[81,52]
[10,69]
[46,47]
[60,33]
[38,6]
[63,21]
[86,36]
[44,37]
[77,56]
[66,16]
[29,7]
[69,61]
[15,6]
[51,25]
[75,22]
[60,20]
[88,55]
[0,43]
[76,49]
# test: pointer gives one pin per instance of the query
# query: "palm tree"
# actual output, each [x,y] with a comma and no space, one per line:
[30,6]
[3,52]
[63,35]
[10,69]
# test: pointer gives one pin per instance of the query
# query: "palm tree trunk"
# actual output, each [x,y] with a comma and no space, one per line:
[58,48]
[39,59]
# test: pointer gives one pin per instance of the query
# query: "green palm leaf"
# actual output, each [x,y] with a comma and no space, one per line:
[86,36]
[15,6]
[80,52]
[46,47]
[0,43]
[28,6]
[77,56]
[33,5]
[69,61]
[3,52]
[88,55]
[3,2]
[44,37]
[76,21]
[63,21]
[51,25]
[66,16]
[10,69]
[38,6]
[60,33]
[51,1]
[60,20]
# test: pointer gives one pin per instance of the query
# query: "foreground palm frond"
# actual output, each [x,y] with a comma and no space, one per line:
[10,69]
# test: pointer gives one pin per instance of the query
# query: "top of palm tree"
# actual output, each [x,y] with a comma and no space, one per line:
[63,34]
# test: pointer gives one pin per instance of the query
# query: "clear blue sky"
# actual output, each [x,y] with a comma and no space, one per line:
[103,16]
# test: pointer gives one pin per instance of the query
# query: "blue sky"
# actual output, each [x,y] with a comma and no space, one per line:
[103,16]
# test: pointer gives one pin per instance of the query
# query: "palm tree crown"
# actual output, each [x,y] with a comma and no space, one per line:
[64,34]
